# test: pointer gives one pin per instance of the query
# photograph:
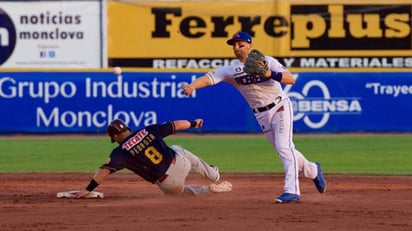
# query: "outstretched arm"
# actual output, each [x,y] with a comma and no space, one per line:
[97,179]
[198,83]
[186,124]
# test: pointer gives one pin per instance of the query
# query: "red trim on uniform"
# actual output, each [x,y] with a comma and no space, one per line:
[164,177]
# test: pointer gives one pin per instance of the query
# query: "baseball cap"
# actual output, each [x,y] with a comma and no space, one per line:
[239,36]
[115,127]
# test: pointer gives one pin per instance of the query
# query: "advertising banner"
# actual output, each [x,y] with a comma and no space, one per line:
[352,102]
[85,102]
[320,34]
[52,34]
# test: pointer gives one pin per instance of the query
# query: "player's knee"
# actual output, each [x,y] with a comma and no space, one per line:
[174,191]
[284,151]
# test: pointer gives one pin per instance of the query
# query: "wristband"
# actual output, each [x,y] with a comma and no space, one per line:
[92,185]
[192,123]
[276,76]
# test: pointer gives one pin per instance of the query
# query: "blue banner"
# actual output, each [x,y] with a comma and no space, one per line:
[352,102]
[85,102]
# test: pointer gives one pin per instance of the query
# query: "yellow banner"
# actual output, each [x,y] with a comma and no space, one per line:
[199,29]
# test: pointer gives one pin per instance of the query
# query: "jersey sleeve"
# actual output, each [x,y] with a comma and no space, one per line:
[218,75]
[275,65]
[115,161]
[163,129]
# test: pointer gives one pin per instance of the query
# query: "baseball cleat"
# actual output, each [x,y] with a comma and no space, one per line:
[217,171]
[319,181]
[224,186]
[288,198]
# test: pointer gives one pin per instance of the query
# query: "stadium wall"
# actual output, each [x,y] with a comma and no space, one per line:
[352,61]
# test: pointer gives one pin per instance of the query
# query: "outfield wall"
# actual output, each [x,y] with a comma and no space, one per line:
[189,34]
[352,59]
[39,102]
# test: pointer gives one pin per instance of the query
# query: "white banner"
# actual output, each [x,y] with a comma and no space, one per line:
[52,34]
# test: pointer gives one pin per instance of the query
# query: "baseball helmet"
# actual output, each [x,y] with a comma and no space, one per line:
[239,36]
[116,127]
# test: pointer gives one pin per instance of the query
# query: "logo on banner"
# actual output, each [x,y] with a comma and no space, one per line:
[351,27]
[7,36]
[315,104]
[47,54]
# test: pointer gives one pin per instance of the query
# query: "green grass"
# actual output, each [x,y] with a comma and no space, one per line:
[368,154]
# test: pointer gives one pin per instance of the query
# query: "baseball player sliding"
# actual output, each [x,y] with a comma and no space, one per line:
[145,153]
[258,78]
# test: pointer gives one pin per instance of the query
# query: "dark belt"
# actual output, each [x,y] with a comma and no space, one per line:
[267,107]
[164,177]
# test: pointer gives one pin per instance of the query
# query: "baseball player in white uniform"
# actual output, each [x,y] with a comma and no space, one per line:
[273,111]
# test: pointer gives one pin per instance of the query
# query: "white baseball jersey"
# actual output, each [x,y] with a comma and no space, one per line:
[276,122]
[258,91]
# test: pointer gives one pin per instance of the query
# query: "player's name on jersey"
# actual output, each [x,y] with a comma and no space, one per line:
[295,62]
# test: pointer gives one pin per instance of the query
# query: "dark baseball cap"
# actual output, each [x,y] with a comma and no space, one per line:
[116,127]
[239,36]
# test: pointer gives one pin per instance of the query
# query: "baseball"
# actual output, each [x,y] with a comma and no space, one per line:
[117,70]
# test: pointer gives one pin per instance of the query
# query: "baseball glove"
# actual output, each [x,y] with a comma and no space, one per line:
[256,63]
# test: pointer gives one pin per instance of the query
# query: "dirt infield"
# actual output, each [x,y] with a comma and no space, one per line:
[28,202]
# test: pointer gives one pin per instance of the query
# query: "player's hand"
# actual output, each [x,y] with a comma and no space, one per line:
[187,89]
[199,123]
[82,193]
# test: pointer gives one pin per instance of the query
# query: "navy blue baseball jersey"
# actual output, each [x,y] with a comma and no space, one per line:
[144,152]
